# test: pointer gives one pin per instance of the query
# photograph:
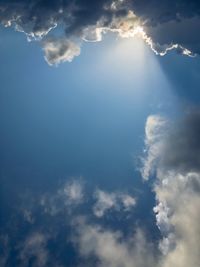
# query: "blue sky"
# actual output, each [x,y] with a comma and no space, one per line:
[76,140]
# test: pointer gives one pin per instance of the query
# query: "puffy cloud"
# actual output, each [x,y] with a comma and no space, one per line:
[164,25]
[111,248]
[60,50]
[183,232]
[177,191]
[112,201]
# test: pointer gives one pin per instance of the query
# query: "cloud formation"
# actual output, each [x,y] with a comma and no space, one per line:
[155,130]
[111,249]
[177,190]
[59,50]
[68,196]
[34,249]
[163,25]
[112,201]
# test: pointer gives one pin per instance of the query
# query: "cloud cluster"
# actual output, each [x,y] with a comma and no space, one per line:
[163,25]
[172,156]
[170,149]
[178,191]
[72,195]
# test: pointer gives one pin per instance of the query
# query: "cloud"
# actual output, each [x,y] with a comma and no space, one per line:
[59,50]
[171,22]
[70,195]
[73,192]
[177,190]
[111,248]
[112,201]
[4,250]
[164,25]
[34,247]
[155,129]
[182,149]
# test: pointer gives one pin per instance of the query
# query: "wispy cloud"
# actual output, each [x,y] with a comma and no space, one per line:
[35,246]
[68,196]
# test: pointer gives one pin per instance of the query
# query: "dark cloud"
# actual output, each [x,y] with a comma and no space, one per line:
[182,147]
[40,16]
[169,24]
[155,12]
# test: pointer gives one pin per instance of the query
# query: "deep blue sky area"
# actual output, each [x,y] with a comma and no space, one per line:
[83,119]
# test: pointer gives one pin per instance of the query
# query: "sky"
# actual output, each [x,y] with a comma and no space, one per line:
[99,133]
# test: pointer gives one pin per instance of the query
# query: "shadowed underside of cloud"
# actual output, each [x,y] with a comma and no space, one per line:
[166,24]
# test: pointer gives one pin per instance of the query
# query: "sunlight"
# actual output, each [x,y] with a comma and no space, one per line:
[129,67]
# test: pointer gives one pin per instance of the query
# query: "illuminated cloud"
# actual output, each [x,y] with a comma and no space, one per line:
[163,25]
[155,130]
[59,50]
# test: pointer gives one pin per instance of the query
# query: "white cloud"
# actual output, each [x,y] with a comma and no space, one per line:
[183,235]
[155,131]
[107,201]
[111,249]
[128,201]
[59,50]
[73,192]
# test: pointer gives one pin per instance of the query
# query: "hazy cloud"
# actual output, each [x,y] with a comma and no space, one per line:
[34,247]
[69,195]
